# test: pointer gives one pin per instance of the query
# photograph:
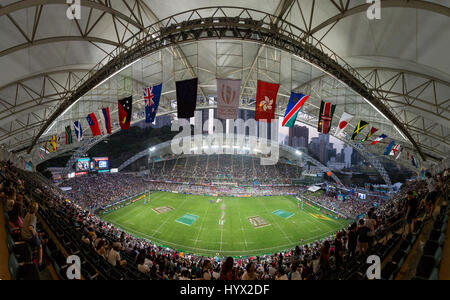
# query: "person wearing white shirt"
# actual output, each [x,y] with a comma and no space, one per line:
[296,275]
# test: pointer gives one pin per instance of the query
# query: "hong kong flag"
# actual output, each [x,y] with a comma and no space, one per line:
[93,123]
[266,101]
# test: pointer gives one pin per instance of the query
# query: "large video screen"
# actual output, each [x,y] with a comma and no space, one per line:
[100,163]
[83,164]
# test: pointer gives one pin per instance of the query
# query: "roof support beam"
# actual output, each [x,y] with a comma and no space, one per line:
[417,4]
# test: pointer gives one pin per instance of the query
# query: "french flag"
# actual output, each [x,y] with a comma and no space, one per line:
[105,119]
[93,123]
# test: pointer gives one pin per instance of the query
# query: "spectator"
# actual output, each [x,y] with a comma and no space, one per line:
[250,272]
[29,230]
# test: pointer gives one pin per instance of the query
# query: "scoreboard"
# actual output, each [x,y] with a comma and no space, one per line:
[92,165]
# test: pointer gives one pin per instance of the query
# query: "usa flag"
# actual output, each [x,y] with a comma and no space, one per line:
[152,96]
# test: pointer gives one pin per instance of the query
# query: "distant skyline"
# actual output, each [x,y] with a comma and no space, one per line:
[313,133]
[284,132]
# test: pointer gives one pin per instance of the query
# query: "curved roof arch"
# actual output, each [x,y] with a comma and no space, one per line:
[37,32]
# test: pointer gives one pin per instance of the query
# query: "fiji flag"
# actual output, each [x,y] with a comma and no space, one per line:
[295,105]
[152,96]
[78,131]
[389,148]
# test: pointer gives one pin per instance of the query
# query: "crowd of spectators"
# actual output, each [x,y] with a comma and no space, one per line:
[318,260]
[234,168]
[352,207]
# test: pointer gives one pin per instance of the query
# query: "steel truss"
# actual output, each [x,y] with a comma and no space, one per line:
[227,23]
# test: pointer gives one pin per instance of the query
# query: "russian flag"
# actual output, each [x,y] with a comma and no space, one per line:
[105,119]
[93,123]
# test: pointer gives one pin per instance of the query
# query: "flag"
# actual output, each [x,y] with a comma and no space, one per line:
[228,98]
[361,125]
[93,123]
[395,150]
[266,101]
[187,98]
[105,120]
[372,132]
[379,139]
[413,160]
[343,123]
[389,148]
[326,117]
[69,140]
[152,96]
[295,105]
[78,131]
[125,112]
[51,145]
[28,166]
[41,156]
[399,153]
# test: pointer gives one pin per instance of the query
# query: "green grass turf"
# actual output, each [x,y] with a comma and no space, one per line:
[237,237]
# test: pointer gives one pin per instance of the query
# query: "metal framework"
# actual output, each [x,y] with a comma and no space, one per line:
[229,23]
[421,106]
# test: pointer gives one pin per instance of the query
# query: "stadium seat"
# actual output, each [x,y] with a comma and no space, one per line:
[21,250]
[399,257]
[426,268]
[437,236]
[24,271]
[387,273]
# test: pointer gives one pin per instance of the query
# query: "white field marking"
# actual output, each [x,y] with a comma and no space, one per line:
[273,219]
[170,214]
[240,253]
[221,232]
[242,228]
[202,224]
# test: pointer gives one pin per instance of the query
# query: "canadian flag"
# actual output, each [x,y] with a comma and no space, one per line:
[343,123]
[266,101]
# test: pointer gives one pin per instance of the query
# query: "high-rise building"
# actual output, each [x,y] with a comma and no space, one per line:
[357,158]
[299,136]
[314,147]
[324,145]
[348,151]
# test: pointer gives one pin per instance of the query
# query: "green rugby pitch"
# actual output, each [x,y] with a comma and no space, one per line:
[193,226]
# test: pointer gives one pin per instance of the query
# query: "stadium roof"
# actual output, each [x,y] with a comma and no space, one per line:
[392,71]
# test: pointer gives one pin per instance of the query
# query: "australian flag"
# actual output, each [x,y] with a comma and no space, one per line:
[152,96]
